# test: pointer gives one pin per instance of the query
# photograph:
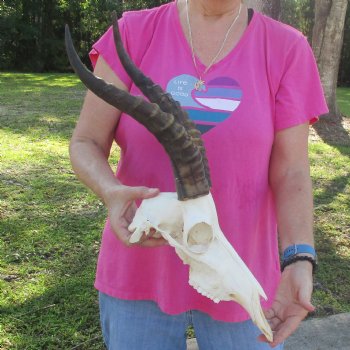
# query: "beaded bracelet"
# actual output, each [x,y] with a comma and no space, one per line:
[296,258]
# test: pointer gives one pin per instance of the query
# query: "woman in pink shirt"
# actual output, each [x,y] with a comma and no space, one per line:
[251,86]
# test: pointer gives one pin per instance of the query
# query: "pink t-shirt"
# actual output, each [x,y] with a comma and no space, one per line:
[268,82]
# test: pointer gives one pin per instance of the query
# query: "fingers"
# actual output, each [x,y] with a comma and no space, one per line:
[305,299]
[123,235]
[146,240]
[274,322]
[285,329]
[306,304]
[122,209]
[142,192]
[291,305]
[152,239]
[270,313]
[154,242]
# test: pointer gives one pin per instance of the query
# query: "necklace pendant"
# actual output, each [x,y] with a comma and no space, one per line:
[199,85]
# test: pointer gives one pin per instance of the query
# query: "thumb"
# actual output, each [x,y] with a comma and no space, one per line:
[305,300]
[142,192]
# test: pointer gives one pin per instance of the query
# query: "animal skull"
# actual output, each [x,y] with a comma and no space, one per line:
[216,270]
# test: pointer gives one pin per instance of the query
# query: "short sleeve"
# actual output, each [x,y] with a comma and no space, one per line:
[299,98]
[105,47]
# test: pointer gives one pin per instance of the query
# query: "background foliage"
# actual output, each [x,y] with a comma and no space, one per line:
[32,30]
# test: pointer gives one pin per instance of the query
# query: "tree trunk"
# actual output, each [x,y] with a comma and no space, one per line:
[327,40]
[270,8]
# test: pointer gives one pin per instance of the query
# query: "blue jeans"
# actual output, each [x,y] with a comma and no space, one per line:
[141,325]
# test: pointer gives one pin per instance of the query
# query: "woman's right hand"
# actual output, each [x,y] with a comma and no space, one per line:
[120,202]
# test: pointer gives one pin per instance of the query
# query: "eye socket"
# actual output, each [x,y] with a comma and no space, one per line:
[199,237]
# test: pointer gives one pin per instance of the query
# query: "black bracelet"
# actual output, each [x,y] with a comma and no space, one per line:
[296,258]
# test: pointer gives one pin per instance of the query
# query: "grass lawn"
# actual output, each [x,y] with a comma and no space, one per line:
[50,225]
[343,98]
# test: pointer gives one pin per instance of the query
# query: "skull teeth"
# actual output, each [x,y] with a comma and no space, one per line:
[205,293]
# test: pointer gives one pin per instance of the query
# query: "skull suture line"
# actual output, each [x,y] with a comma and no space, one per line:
[189,222]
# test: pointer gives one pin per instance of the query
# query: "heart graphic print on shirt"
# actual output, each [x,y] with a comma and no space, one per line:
[209,106]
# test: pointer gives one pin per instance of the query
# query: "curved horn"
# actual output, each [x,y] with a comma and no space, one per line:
[186,159]
[157,95]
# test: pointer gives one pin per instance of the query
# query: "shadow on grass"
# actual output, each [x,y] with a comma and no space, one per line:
[331,292]
[50,233]
[333,133]
[39,127]
[40,105]
[47,199]
[331,189]
[331,285]
[65,316]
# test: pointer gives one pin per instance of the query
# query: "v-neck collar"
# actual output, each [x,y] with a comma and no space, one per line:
[180,31]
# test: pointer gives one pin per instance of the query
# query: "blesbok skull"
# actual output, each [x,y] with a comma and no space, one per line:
[186,219]
[192,228]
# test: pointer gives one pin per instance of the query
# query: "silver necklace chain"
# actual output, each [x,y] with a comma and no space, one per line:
[200,83]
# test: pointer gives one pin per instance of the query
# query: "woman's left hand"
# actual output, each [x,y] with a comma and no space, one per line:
[292,302]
